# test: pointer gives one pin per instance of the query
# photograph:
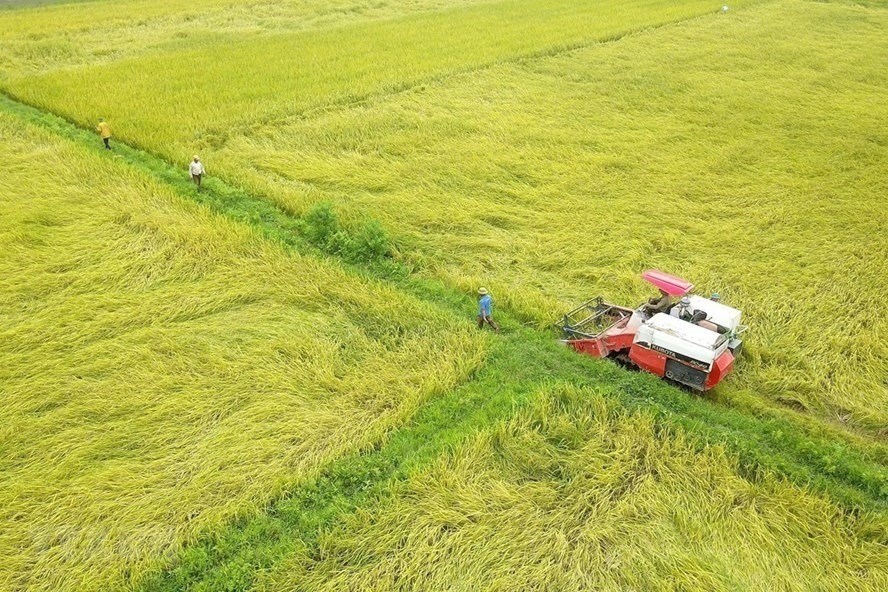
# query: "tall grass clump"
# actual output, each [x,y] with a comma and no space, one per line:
[575,493]
[165,370]
[369,243]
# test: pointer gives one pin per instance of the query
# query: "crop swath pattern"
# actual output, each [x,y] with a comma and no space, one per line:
[198,96]
[172,374]
[744,152]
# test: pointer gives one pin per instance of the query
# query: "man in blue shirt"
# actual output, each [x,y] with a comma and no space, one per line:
[485,310]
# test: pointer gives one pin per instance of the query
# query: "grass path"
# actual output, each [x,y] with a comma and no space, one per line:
[850,470]
[285,229]
[496,176]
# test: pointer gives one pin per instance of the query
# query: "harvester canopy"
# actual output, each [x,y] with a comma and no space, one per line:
[672,285]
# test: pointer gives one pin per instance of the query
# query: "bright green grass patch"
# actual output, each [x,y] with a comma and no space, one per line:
[165,370]
[744,151]
[105,31]
[575,493]
[195,98]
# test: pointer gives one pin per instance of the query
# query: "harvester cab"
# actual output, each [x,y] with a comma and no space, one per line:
[694,343]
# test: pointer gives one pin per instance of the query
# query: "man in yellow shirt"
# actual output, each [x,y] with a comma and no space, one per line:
[105,131]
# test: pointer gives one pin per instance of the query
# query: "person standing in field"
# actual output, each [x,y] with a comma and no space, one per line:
[197,171]
[105,131]
[485,310]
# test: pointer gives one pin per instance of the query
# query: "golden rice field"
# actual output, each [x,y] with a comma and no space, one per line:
[104,31]
[575,494]
[744,151]
[169,374]
[174,101]
[165,370]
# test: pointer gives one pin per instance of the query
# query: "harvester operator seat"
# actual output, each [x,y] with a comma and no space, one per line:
[660,303]
[684,311]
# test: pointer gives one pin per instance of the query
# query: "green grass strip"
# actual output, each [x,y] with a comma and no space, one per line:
[230,560]
[521,361]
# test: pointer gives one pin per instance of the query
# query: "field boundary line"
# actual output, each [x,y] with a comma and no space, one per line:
[254,544]
[285,228]
[519,367]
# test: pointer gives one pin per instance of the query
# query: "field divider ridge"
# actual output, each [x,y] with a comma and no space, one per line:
[284,228]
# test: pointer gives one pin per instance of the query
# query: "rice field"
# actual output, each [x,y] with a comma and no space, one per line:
[185,374]
[208,91]
[575,494]
[746,153]
[95,32]
[165,370]
[741,150]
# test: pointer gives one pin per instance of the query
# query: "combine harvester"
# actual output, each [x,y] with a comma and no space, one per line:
[694,342]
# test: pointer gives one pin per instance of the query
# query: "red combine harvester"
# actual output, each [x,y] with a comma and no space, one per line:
[694,342]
